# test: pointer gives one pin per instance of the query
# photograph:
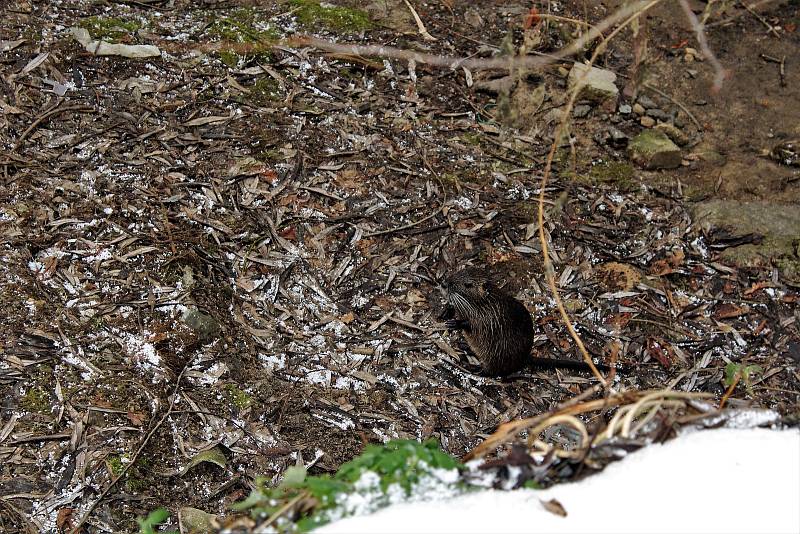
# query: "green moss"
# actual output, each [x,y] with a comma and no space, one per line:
[115,465]
[618,173]
[36,399]
[311,14]
[134,479]
[109,29]
[471,139]
[238,397]
[243,26]
[264,91]
[246,36]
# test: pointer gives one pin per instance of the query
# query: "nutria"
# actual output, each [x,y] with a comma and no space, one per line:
[497,327]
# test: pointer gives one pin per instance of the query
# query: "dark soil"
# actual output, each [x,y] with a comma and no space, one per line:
[269,224]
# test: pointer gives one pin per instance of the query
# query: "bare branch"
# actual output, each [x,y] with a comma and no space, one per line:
[505,62]
[719,71]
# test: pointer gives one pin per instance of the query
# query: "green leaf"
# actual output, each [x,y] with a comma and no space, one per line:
[214,456]
[195,521]
[294,476]
[153,519]
[731,370]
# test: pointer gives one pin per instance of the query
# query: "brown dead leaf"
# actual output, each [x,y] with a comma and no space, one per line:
[64,519]
[414,296]
[347,318]
[554,507]
[669,264]
[618,276]
[136,418]
[618,321]
[756,287]
[728,310]
[660,350]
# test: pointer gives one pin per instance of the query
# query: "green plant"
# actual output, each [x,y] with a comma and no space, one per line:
[379,472]
[311,13]
[737,371]
[111,29]
[153,519]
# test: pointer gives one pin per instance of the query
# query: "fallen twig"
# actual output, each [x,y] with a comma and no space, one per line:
[761,19]
[420,26]
[43,117]
[719,72]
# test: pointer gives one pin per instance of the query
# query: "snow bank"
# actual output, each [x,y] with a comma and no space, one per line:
[726,480]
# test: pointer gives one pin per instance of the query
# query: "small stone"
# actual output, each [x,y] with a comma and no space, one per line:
[473,18]
[206,327]
[658,114]
[597,85]
[674,133]
[625,109]
[647,122]
[616,138]
[646,101]
[638,109]
[692,55]
[580,111]
[652,149]
[563,72]
[712,157]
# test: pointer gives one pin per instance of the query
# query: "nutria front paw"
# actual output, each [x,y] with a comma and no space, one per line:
[456,324]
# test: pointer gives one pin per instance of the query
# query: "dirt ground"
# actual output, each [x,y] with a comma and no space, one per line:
[255,233]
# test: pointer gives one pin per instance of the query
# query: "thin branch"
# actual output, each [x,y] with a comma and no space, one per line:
[761,19]
[505,62]
[719,71]
[423,31]
[548,266]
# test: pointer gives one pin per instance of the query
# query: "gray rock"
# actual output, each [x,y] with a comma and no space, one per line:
[580,111]
[779,224]
[646,102]
[616,137]
[206,327]
[597,85]
[652,149]
[625,109]
[658,114]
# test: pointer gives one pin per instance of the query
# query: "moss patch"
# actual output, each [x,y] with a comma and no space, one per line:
[264,91]
[109,29]
[618,173]
[134,479]
[36,400]
[245,35]
[238,397]
[310,13]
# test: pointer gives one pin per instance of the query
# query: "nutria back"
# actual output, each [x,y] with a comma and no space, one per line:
[497,327]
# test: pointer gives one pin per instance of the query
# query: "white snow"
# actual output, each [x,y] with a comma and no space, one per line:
[724,480]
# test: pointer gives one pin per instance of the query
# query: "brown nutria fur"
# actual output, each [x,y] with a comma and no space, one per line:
[497,327]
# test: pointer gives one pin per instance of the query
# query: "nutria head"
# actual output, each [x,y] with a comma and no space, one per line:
[471,291]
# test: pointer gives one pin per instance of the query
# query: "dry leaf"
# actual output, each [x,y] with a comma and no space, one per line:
[554,507]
